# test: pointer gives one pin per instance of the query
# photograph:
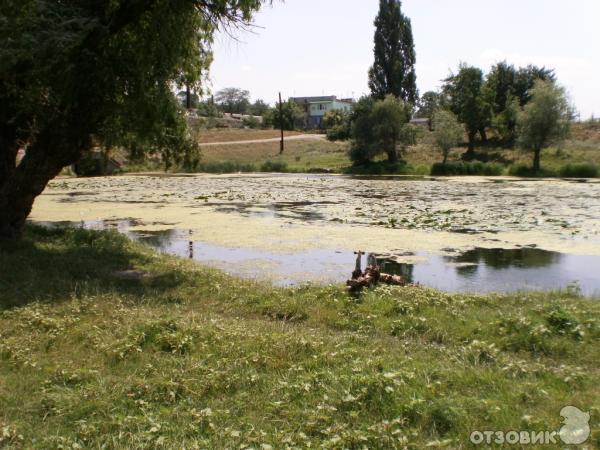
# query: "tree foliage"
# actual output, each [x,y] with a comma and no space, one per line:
[194,99]
[393,71]
[429,102]
[97,72]
[337,124]
[291,116]
[493,101]
[363,147]
[390,119]
[500,85]
[334,117]
[259,108]
[378,126]
[507,90]
[545,118]
[233,100]
[526,78]
[465,97]
[207,108]
[447,131]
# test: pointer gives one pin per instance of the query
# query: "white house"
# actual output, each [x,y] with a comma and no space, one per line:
[315,107]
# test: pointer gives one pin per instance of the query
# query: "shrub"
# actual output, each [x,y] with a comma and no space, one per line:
[89,165]
[581,170]
[447,131]
[522,170]
[274,166]
[377,125]
[381,168]
[562,323]
[443,417]
[339,133]
[291,115]
[251,122]
[469,168]
[334,118]
[202,123]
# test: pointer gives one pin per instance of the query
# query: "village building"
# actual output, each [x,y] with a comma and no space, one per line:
[314,108]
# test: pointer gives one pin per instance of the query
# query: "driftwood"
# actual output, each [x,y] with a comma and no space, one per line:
[371,276]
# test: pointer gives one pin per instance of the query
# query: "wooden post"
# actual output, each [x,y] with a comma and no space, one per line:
[281,124]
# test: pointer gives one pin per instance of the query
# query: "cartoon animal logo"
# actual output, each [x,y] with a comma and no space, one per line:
[576,428]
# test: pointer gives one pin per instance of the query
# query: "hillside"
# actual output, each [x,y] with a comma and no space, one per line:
[315,153]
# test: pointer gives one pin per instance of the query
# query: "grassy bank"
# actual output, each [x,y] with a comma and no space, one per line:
[578,157]
[299,156]
[177,355]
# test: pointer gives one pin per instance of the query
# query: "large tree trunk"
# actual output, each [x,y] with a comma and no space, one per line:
[11,134]
[470,153]
[19,192]
[392,155]
[8,158]
[392,152]
[483,135]
[43,161]
[536,160]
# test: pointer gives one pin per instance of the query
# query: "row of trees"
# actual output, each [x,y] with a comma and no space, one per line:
[523,105]
[541,121]
[229,100]
[483,102]
[237,101]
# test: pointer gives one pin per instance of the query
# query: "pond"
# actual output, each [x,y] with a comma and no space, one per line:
[476,234]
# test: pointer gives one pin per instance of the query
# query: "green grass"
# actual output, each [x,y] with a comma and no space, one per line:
[467,168]
[525,170]
[581,170]
[188,357]
[577,157]
[298,156]
[382,167]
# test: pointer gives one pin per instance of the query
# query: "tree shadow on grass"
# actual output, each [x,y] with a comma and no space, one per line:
[59,264]
[488,156]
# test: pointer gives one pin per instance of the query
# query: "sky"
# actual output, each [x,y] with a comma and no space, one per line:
[325,47]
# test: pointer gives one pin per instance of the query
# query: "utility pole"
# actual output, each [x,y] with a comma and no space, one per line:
[281,124]
[188,97]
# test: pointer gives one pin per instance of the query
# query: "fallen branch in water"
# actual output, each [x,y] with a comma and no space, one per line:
[371,276]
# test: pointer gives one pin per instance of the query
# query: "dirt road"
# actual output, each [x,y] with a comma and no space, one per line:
[299,137]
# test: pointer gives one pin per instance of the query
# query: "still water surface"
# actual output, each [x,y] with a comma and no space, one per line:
[476,270]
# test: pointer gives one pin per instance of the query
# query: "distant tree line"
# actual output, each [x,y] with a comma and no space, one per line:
[504,102]
[229,100]
[507,103]
[523,106]
[485,102]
